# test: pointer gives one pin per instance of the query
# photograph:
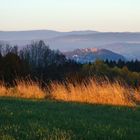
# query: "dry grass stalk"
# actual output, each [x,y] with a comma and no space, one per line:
[94,92]
[29,89]
[22,89]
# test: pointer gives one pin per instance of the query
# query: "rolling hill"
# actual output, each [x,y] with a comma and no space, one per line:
[90,55]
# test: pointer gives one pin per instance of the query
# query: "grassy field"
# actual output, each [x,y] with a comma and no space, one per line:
[52,120]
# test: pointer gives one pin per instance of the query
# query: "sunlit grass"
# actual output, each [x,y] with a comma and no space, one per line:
[94,92]
[23,89]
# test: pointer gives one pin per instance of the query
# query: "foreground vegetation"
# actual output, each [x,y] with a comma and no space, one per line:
[93,92]
[51,120]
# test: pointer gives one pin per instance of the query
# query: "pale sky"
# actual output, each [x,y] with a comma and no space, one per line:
[66,15]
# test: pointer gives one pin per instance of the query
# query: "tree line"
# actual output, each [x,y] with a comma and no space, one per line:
[133,65]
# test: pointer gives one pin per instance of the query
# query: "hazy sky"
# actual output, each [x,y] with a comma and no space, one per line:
[65,15]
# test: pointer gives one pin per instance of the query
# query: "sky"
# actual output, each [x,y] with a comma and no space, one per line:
[67,15]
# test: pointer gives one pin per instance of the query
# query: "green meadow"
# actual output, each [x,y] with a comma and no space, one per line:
[52,120]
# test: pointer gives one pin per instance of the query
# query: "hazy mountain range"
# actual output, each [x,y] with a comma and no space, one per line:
[125,43]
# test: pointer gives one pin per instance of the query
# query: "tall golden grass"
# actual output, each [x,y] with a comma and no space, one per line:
[94,92]
[23,89]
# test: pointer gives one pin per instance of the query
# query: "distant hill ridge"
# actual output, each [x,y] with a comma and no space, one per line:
[38,34]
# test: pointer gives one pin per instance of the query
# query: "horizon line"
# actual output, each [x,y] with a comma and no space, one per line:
[83,30]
